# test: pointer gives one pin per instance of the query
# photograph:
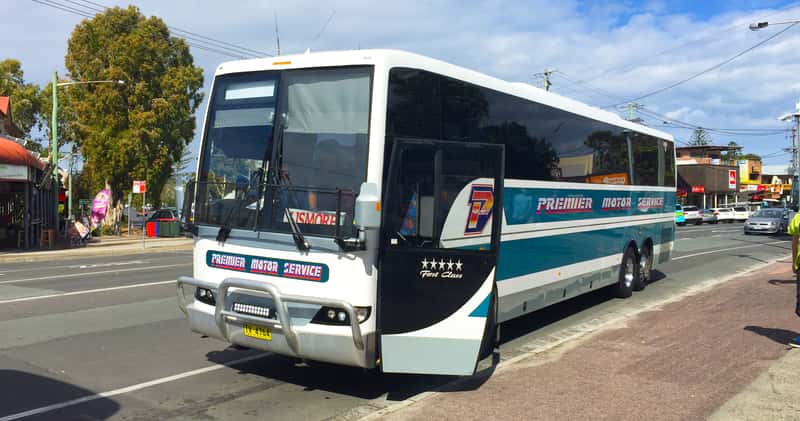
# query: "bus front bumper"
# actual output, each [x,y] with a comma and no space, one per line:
[335,344]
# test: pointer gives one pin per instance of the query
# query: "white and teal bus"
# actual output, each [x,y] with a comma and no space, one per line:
[382,209]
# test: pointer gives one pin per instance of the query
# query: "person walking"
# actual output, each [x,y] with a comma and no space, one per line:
[794,231]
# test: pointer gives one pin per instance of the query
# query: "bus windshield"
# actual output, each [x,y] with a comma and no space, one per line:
[291,140]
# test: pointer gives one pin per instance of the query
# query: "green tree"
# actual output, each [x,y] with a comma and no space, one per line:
[733,154]
[700,137]
[751,156]
[67,119]
[140,129]
[24,96]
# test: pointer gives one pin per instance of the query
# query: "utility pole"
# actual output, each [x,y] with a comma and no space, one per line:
[547,72]
[795,146]
[54,153]
[633,106]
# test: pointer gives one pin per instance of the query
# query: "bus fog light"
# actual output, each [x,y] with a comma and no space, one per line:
[331,314]
[342,316]
[362,313]
[205,296]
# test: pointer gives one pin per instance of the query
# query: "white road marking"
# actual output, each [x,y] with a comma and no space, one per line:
[28,268]
[729,248]
[74,275]
[103,265]
[86,291]
[129,389]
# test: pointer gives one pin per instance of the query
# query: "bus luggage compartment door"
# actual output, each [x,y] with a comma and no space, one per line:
[439,242]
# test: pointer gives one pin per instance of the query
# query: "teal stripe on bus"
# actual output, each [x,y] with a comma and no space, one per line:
[531,255]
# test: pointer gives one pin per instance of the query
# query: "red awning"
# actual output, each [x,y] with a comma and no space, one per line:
[12,153]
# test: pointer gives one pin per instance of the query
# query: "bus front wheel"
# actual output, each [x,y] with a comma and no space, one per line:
[628,274]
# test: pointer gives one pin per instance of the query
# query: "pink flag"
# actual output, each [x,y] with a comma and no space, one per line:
[100,207]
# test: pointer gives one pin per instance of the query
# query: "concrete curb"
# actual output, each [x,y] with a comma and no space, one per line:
[539,346]
[96,251]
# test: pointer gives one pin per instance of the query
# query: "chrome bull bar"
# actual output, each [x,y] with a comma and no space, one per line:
[283,321]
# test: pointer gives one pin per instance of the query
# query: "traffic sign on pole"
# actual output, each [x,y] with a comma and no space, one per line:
[139,186]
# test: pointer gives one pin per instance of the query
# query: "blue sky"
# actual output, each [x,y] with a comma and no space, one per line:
[605,51]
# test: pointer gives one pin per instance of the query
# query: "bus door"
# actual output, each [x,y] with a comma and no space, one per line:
[440,234]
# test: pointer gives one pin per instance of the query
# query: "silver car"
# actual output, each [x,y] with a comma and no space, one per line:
[767,221]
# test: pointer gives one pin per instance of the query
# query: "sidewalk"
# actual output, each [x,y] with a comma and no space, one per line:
[721,353]
[103,246]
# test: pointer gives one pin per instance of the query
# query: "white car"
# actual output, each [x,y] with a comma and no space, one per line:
[692,215]
[723,214]
[740,213]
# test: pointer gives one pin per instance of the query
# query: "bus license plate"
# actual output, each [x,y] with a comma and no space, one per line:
[257,332]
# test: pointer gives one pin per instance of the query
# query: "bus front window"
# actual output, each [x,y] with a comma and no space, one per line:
[310,127]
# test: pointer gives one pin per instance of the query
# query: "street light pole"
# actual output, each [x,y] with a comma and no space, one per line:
[54,153]
[54,140]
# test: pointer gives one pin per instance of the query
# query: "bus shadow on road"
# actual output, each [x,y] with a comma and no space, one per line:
[371,384]
[23,391]
[539,319]
[345,380]
[781,336]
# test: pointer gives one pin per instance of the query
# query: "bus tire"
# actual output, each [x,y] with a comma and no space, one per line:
[628,274]
[645,268]
[490,332]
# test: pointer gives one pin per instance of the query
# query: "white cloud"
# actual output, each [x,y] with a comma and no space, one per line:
[644,45]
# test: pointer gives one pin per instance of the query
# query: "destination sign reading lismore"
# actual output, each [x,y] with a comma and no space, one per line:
[307,271]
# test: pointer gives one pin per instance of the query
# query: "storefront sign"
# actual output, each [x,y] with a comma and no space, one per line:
[732,179]
[13,172]
[698,189]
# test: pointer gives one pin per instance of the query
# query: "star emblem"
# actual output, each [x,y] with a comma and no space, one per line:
[441,264]
[425,263]
[458,265]
[450,264]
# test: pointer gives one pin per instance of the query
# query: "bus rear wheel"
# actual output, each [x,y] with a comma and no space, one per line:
[645,268]
[628,274]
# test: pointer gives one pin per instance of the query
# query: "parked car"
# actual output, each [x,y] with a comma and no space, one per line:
[691,215]
[740,213]
[723,214]
[164,215]
[707,216]
[767,221]
[679,218]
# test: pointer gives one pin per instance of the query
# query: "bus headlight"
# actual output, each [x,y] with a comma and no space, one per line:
[339,317]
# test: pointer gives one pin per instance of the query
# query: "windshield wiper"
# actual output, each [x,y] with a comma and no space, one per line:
[225,227]
[275,169]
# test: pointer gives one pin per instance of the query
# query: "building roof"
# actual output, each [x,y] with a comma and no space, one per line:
[12,153]
[709,148]
[4,104]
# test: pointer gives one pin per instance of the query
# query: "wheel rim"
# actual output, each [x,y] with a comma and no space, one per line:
[629,272]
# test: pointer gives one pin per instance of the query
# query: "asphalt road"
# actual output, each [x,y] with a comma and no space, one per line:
[102,338]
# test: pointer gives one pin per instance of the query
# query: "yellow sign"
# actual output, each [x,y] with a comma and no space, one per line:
[749,172]
[257,332]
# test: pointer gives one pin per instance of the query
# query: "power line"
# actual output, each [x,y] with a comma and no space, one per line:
[194,34]
[711,36]
[712,68]
[193,41]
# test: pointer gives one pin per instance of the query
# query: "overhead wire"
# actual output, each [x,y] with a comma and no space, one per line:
[707,70]
[192,34]
[703,38]
[193,40]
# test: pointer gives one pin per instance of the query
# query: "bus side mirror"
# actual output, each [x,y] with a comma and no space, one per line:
[368,207]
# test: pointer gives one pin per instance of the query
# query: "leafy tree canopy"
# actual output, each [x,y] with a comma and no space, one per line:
[24,96]
[138,130]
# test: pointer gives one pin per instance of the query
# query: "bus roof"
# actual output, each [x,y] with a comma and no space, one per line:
[397,58]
